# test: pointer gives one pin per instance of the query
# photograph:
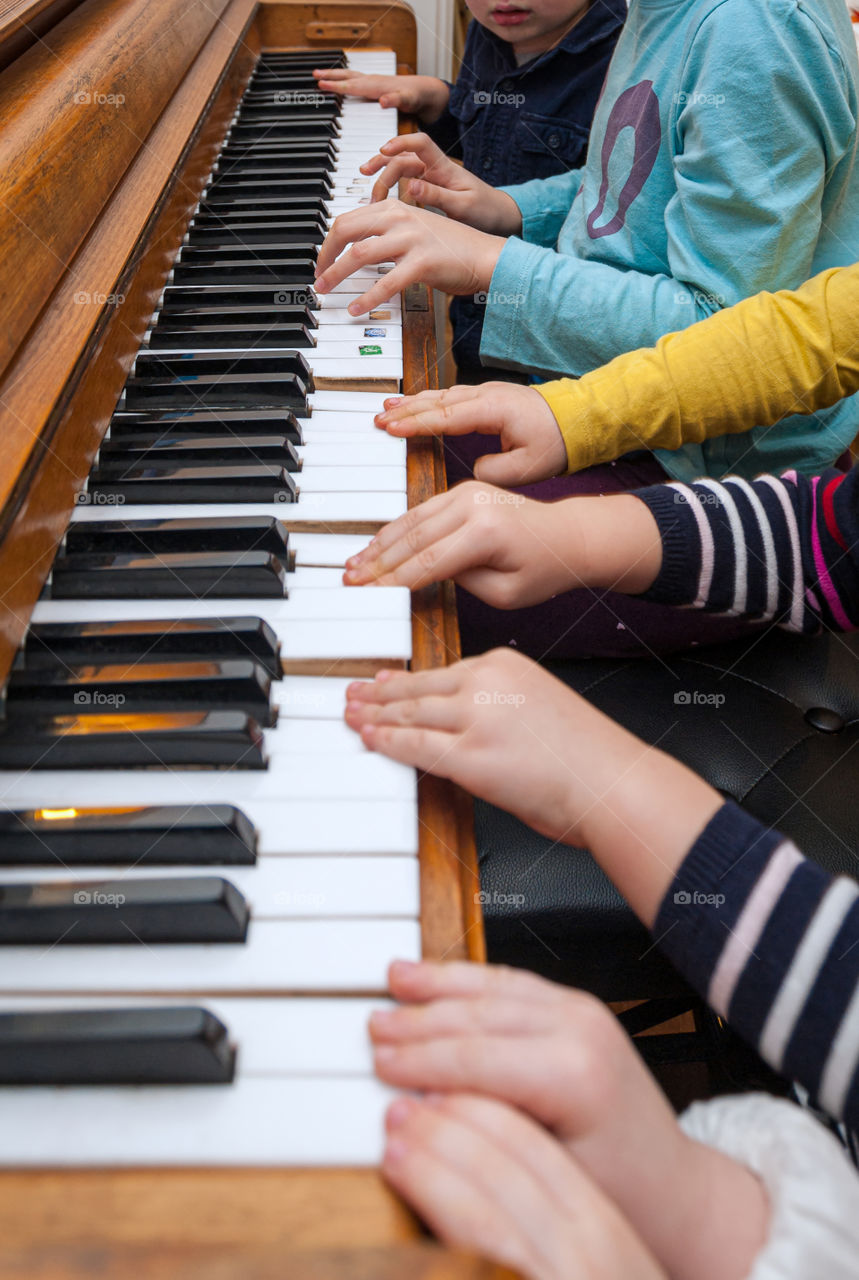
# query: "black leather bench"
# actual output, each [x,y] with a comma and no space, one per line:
[771,721]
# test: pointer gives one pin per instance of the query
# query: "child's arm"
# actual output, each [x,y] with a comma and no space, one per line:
[746,214]
[561,1057]
[768,939]
[784,549]
[769,356]
[423,96]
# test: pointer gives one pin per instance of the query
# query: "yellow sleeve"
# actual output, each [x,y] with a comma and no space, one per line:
[769,356]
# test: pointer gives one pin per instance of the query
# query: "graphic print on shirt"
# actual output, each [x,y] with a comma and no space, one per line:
[637,108]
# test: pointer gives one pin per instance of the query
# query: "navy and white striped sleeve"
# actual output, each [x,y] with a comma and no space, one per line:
[782,549]
[771,942]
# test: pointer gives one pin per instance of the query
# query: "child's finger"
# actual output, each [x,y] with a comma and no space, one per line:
[495,1015]
[431,553]
[393,686]
[461,1215]
[424,749]
[434,980]
[522,1190]
[394,282]
[516,466]
[499,1066]
[423,713]
[407,166]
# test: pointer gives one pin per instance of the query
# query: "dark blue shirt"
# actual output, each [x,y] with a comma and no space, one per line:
[509,124]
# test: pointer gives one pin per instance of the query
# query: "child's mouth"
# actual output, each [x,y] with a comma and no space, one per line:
[510,16]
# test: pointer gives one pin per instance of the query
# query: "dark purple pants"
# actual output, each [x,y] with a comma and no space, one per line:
[582,624]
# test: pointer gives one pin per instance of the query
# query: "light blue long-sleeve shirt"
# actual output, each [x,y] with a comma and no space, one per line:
[722,161]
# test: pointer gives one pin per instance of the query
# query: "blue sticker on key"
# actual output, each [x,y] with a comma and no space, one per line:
[375,333]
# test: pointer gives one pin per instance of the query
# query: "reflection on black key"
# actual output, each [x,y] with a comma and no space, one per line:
[262,482]
[278,275]
[156,835]
[207,253]
[144,687]
[266,185]
[269,232]
[196,739]
[151,364]
[235,337]
[127,911]
[239,422]
[213,533]
[172,1045]
[208,297]
[176,575]
[229,391]
[64,644]
[221,451]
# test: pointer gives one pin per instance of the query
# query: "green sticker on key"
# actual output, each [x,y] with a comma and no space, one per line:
[370,349]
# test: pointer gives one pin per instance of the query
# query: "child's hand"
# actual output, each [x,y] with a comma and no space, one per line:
[424,96]
[501,727]
[488,1180]
[507,550]
[424,247]
[512,734]
[561,1057]
[532,447]
[443,184]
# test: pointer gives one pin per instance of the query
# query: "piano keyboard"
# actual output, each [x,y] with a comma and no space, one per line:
[190,949]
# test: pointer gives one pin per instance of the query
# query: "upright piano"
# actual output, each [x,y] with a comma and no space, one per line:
[203,874]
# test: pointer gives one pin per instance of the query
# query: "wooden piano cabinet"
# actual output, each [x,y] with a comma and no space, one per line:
[99,206]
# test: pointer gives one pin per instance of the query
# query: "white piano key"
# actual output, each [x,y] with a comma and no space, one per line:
[363,776]
[326,548]
[303,955]
[276,888]
[255,1122]
[379,605]
[327,509]
[349,479]
[341,449]
[312,737]
[311,697]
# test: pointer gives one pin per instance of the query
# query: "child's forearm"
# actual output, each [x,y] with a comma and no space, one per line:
[765,358]
[647,814]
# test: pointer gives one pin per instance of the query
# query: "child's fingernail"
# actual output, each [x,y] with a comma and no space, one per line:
[399,1111]
[395,1151]
[393,401]
[354,309]
[402,968]
[384,675]
[382,1019]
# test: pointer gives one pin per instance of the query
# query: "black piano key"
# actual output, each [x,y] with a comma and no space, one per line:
[159,450]
[218,231]
[130,1046]
[65,644]
[151,364]
[143,687]
[297,149]
[126,911]
[188,739]
[231,337]
[277,275]
[295,58]
[216,533]
[240,422]
[168,576]
[270,254]
[229,391]
[155,835]
[291,304]
[267,185]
